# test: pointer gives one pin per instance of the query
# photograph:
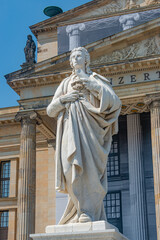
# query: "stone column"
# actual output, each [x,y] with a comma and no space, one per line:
[74,35]
[136,178]
[51,182]
[155,135]
[27,176]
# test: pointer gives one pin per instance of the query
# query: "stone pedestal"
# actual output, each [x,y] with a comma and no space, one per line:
[136,177]
[100,230]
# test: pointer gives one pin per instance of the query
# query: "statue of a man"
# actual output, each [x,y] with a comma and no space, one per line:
[87,109]
[29,50]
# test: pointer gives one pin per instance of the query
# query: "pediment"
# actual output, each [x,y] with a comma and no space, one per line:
[93,10]
[133,44]
[107,9]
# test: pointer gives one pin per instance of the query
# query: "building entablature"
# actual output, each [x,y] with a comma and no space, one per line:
[7,115]
[120,48]
[130,60]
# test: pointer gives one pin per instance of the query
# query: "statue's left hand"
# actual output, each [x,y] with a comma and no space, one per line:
[91,85]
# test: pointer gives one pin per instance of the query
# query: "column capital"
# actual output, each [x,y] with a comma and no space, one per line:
[152,100]
[75,27]
[51,143]
[28,117]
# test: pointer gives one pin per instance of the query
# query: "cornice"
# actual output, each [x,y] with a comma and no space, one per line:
[8,118]
[152,100]
[7,122]
[60,63]
[129,66]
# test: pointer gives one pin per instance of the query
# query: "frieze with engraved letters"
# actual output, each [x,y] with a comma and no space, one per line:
[137,77]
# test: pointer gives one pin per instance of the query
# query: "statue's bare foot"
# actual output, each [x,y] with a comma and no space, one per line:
[84,218]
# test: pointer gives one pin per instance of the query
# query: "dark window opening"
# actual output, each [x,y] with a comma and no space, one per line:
[113,165]
[112,204]
[4,215]
[4,179]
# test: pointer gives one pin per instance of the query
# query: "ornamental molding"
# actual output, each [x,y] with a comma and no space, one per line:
[8,119]
[7,122]
[46,131]
[140,104]
[112,7]
[145,48]
[151,2]
[134,105]
[105,69]
[150,98]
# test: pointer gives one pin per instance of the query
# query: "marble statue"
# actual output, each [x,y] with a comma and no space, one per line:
[29,50]
[87,110]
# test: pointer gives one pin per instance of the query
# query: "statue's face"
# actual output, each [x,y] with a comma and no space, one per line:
[29,37]
[78,60]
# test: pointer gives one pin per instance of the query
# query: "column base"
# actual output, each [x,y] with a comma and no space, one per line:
[99,230]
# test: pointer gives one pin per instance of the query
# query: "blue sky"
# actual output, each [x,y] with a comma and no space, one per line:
[15,18]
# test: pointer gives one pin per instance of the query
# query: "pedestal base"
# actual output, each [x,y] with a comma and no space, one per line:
[100,230]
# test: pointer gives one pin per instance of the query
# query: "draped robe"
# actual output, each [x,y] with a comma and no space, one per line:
[84,135]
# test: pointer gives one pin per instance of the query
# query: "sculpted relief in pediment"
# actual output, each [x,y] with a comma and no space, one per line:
[148,2]
[147,47]
[117,6]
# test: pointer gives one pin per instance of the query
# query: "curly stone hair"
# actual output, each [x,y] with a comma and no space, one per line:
[87,58]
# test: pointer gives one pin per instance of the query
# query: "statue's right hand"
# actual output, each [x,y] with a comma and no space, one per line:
[70,97]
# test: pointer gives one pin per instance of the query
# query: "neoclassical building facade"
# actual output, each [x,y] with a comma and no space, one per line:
[130,59]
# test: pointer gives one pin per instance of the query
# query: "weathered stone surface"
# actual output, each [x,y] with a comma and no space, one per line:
[144,48]
[27,177]
[91,230]
[155,133]
[80,227]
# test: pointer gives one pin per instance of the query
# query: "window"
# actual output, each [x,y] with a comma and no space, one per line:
[4,225]
[4,179]
[113,165]
[112,204]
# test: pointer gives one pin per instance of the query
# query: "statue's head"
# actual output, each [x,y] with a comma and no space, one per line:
[29,37]
[82,59]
